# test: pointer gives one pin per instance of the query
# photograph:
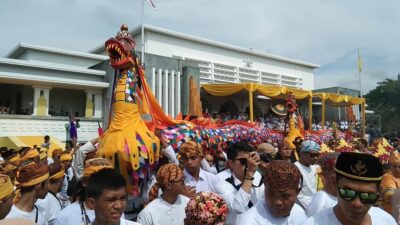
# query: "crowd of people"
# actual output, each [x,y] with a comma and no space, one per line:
[291,183]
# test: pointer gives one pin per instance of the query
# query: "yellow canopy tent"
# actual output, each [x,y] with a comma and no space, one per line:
[274,91]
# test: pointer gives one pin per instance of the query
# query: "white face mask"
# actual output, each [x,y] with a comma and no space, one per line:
[221,164]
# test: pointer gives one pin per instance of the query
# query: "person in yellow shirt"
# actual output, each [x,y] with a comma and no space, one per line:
[390,181]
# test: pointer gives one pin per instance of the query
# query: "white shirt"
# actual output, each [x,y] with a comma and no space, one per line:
[206,182]
[309,188]
[160,212]
[71,215]
[224,174]
[170,154]
[321,200]
[238,200]
[51,205]
[79,158]
[127,222]
[327,217]
[39,211]
[260,215]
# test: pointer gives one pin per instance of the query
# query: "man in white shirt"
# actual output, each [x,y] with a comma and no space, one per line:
[282,185]
[107,196]
[327,197]
[33,183]
[238,190]
[169,208]
[191,154]
[358,179]
[78,212]
[51,203]
[308,156]
[80,155]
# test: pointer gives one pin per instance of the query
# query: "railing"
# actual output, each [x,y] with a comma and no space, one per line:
[211,72]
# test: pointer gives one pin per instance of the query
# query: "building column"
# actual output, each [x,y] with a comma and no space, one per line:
[165,92]
[171,95]
[41,96]
[94,104]
[178,93]
[153,80]
[89,104]
[98,105]
[159,87]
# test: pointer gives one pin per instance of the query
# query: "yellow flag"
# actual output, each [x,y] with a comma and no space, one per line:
[359,62]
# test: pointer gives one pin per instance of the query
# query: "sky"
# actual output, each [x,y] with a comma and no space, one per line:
[327,33]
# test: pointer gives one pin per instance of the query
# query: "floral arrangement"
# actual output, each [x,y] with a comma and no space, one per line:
[206,208]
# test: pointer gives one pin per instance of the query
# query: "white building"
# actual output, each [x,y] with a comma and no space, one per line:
[220,62]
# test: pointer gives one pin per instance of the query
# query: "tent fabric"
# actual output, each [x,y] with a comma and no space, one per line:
[280,92]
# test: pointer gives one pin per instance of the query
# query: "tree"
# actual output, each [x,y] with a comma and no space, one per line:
[385,100]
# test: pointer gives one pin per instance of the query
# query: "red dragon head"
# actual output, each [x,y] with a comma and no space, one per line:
[121,49]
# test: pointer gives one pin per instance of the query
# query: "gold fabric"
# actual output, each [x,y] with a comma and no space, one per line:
[6,186]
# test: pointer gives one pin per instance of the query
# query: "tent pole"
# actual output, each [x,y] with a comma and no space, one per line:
[323,113]
[251,105]
[310,113]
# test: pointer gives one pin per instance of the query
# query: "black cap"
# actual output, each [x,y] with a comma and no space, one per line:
[359,166]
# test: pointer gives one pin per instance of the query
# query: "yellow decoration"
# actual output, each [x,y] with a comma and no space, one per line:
[293,132]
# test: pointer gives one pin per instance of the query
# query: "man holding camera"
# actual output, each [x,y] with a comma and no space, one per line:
[238,189]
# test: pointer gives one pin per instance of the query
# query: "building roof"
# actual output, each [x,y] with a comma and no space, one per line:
[22,47]
[213,43]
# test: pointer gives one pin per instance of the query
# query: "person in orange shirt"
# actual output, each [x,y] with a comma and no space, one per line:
[390,181]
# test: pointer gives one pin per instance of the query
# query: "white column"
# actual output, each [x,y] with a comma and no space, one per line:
[165,91]
[98,105]
[178,92]
[153,80]
[171,95]
[159,88]
[36,95]
[38,90]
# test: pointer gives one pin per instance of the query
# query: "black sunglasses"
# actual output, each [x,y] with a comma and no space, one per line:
[365,197]
[242,161]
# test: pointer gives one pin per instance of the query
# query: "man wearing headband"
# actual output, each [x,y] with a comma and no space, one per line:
[9,170]
[191,155]
[66,160]
[238,189]
[308,156]
[106,194]
[358,177]
[6,195]
[391,181]
[78,212]
[327,197]
[32,185]
[29,155]
[51,203]
[282,185]
[169,208]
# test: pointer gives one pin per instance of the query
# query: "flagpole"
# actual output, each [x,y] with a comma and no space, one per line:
[359,63]
[142,34]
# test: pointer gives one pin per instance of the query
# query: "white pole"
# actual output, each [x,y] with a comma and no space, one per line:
[165,92]
[171,95]
[142,32]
